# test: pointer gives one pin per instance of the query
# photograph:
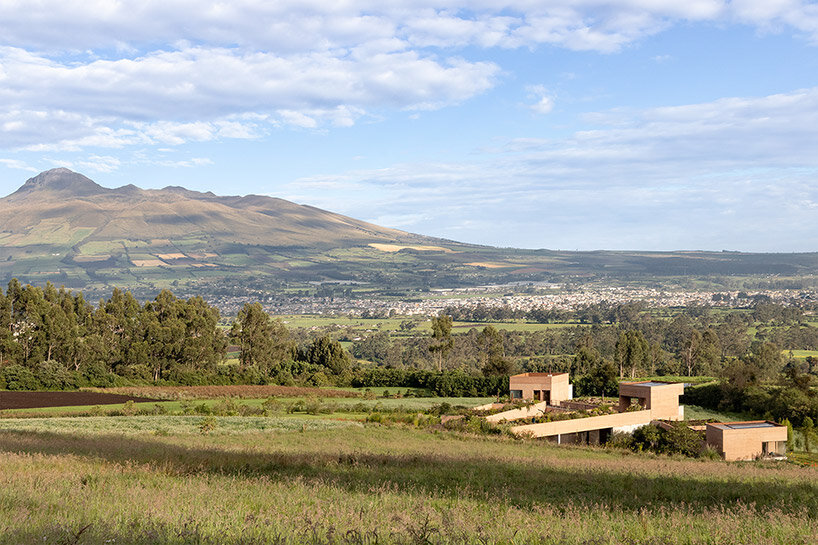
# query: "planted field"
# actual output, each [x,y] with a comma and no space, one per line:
[376,484]
[165,425]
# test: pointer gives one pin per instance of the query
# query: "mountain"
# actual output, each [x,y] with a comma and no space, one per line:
[63,227]
[60,207]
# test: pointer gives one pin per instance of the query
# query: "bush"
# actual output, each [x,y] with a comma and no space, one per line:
[679,439]
[129,409]
[207,425]
[226,407]
[271,406]
[17,377]
[54,376]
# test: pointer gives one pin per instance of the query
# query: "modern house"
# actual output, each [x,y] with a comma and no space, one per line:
[549,387]
[747,440]
[640,404]
[661,398]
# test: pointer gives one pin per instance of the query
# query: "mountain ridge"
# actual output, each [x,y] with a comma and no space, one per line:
[63,227]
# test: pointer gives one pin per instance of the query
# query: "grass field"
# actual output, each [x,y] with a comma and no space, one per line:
[801,354]
[423,327]
[81,484]
[337,407]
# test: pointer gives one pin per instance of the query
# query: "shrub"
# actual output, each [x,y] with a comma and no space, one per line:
[312,406]
[54,376]
[271,406]
[129,409]
[203,408]
[226,407]
[207,425]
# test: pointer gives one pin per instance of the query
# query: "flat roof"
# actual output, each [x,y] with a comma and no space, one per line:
[538,375]
[744,425]
[649,383]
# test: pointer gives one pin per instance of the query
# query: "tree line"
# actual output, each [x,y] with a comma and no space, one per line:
[53,338]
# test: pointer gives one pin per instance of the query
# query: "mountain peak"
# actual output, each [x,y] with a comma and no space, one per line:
[63,181]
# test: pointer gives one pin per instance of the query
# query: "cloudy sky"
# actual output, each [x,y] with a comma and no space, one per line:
[563,124]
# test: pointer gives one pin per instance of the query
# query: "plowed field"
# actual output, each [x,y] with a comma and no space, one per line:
[35,400]
[210,392]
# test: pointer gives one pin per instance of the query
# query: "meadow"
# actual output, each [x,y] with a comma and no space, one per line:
[161,480]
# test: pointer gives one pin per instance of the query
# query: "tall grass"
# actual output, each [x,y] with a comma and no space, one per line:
[383,485]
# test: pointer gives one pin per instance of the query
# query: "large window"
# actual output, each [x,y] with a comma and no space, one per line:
[516,394]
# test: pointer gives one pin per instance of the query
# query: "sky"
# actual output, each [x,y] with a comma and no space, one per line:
[561,124]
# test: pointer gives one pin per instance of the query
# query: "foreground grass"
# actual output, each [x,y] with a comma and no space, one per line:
[377,484]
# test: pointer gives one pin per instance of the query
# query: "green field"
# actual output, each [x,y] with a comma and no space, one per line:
[338,407]
[156,480]
[801,354]
[423,325]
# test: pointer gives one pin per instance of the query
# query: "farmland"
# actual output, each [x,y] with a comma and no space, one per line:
[322,481]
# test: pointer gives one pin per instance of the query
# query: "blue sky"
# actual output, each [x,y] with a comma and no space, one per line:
[566,124]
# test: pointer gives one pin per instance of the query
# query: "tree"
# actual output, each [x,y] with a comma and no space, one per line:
[373,348]
[204,343]
[263,342]
[492,353]
[328,353]
[768,358]
[632,351]
[790,434]
[442,341]
[601,380]
[807,428]
[585,360]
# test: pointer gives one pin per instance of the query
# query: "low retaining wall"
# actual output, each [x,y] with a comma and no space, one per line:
[538,409]
[619,420]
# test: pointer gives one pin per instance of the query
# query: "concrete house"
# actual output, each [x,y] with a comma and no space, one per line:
[656,401]
[747,440]
[640,404]
[549,387]
[661,398]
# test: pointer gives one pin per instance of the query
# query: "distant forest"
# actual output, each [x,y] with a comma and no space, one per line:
[53,338]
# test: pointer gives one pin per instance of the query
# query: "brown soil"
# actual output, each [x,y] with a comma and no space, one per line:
[210,392]
[35,400]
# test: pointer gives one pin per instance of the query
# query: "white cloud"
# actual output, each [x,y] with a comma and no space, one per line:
[692,176]
[199,94]
[85,73]
[543,102]
[99,163]
[18,165]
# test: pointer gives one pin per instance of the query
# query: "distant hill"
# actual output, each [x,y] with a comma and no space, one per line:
[62,227]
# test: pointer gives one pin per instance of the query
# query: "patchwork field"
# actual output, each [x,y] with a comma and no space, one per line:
[157,480]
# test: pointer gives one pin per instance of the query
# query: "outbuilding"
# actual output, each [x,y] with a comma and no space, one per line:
[747,440]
